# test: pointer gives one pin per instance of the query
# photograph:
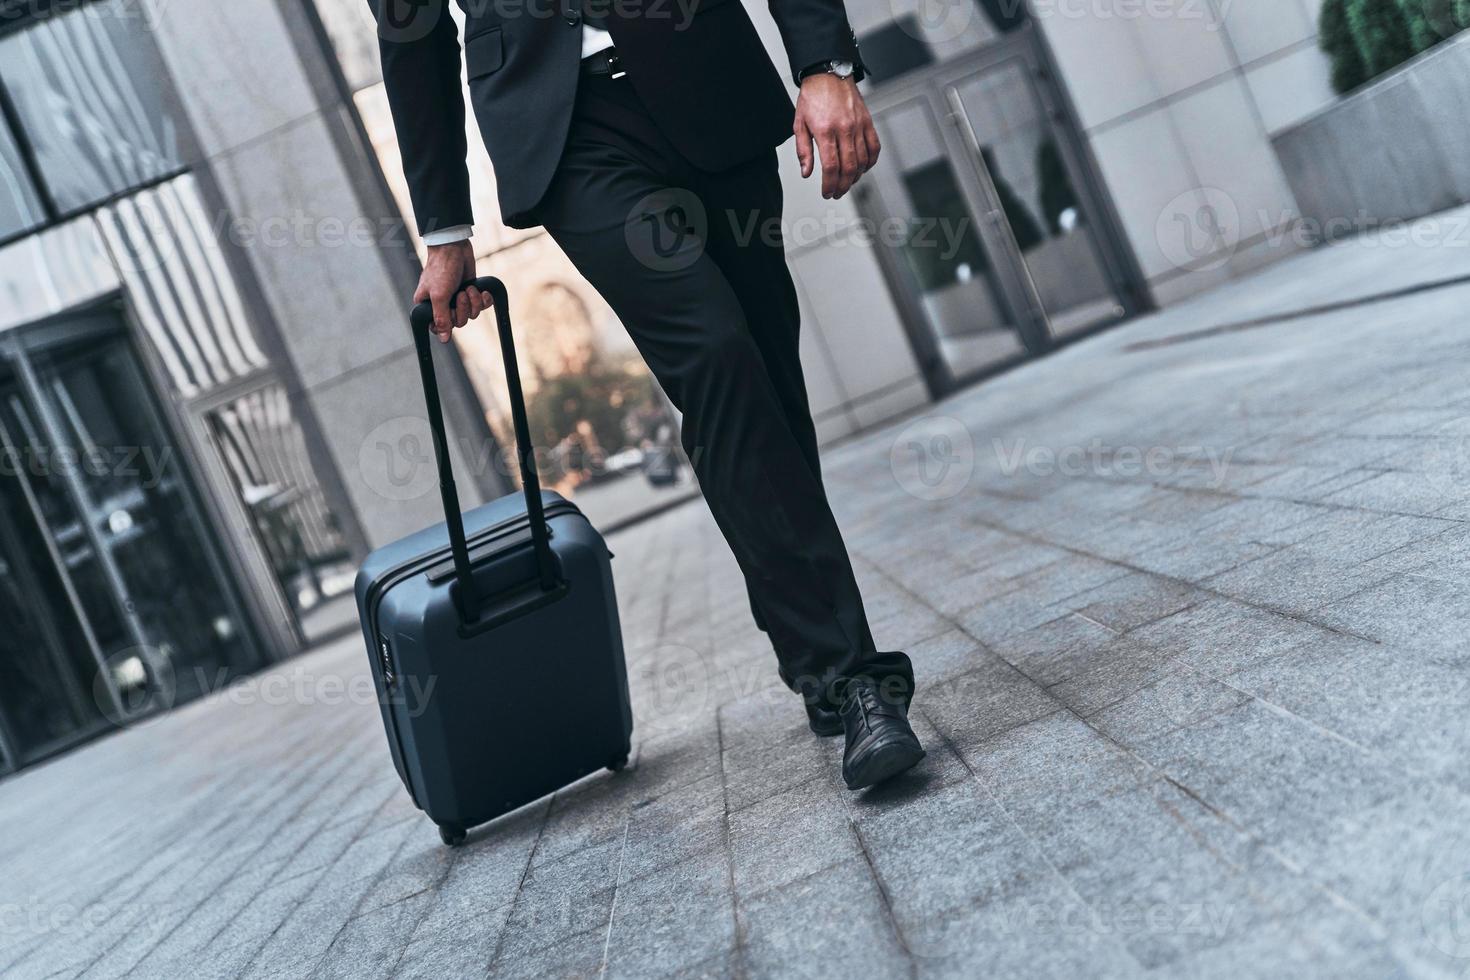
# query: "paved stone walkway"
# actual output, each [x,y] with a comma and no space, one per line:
[1189,610]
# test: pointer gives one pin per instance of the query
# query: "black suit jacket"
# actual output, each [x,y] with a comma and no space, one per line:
[698,66]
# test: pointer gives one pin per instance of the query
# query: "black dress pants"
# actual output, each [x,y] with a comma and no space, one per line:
[693,264]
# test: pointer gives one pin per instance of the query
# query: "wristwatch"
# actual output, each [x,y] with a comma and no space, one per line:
[842,69]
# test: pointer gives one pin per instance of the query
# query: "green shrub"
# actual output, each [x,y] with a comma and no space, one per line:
[1057,195]
[1382,33]
[1459,14]
[1335,37]
[1365,38]
[1431,21]
[1422,34]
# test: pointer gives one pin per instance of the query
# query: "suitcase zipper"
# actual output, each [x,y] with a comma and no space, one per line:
[389,679]
[424,562]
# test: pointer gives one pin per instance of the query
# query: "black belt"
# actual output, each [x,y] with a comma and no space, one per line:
[605,62]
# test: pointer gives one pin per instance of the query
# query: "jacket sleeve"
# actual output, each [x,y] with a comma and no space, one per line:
[814,31]
[418,42]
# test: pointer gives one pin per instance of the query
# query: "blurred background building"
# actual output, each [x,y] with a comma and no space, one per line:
[208,409]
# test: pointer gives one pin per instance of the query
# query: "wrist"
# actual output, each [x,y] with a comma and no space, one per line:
[844,66]
[449,235]
[825,81]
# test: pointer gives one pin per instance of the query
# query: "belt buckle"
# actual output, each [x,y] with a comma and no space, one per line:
[615,67]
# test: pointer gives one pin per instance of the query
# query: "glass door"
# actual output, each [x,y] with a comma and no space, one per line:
[133,493]
[113,602]
[1005,250]
[53,689]
[1023,166]
[971,317]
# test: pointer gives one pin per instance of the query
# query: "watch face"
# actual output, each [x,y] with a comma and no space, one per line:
[842,69]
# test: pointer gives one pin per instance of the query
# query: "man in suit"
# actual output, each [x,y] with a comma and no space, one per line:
[642,135]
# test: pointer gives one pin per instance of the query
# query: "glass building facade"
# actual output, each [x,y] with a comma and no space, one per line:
[162,525]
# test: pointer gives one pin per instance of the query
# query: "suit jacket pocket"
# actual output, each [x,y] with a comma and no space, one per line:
[484,53]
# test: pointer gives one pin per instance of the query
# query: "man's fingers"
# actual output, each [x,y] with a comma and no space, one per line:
[846,158]
[831,162]
[875,146]
[852,162]
[803,146]
[860,153]
[443,318]
[476,301]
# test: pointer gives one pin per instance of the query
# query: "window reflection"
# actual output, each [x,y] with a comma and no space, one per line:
[88,91]
[910,34]
[264,450]
[20,205]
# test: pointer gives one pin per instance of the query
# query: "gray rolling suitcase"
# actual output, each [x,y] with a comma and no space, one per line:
[494,637]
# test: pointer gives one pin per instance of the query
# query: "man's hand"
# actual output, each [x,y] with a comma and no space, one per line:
[831,111]
[446,269]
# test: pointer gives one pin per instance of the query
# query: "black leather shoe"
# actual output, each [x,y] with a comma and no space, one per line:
[822,721]
[880,743]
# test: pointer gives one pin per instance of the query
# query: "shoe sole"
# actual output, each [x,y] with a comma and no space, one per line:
[825,732]
[885,762]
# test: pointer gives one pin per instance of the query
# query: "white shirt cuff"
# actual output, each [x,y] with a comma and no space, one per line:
[448,236]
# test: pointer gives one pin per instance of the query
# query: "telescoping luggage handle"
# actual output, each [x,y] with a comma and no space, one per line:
[421,319]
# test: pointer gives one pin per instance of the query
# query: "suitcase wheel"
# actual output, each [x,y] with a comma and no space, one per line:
[618,764]
[451,834]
